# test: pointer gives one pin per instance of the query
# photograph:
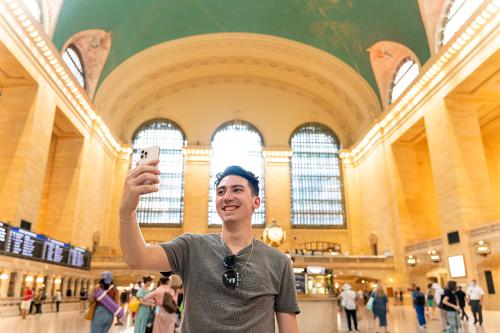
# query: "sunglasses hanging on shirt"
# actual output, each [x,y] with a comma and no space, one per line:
[231,277]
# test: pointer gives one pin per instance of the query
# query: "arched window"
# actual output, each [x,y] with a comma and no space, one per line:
[167,205]
[457,13]
[406,73]
[35,8]
[73,60]
[237,143]
[316,187]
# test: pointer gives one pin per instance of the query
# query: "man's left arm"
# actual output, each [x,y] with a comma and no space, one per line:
[287,322]
[286,305]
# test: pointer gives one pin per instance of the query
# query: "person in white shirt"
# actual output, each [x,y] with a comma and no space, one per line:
[438,295]
[349,301]
[475,299]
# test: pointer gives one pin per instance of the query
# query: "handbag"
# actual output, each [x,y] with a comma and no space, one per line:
[168,303]
[89,315]
[103,298]
[133,304]
[369,305]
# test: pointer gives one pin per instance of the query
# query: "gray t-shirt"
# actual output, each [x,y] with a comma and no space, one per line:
[267,284]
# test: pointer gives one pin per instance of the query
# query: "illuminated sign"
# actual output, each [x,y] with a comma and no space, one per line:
[22,243]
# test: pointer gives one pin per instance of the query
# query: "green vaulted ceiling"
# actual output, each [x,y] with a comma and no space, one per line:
[343,28]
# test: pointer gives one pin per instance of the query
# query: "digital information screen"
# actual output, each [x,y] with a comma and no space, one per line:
[22,243]
[55,251]
[4,230]
[79,258]
[25,243]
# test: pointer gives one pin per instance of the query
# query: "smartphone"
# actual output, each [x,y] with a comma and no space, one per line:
[149,154]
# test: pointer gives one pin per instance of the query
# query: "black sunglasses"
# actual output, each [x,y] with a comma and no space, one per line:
[230,278]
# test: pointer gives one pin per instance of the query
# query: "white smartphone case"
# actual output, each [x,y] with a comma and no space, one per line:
[149,154]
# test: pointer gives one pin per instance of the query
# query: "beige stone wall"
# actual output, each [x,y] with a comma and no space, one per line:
[62,189]
[417,211]
[26,126]
[491,141]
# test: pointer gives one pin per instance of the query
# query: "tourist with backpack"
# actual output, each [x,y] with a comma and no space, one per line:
[419,304]
[165,301]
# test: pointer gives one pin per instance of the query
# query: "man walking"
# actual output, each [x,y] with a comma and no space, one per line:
[475,298]
[419,304]
[438,297]
[461,302]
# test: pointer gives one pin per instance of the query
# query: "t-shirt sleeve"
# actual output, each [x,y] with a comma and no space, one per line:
[177,251]
[286,301]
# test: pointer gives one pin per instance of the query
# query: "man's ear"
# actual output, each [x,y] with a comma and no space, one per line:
[256,202]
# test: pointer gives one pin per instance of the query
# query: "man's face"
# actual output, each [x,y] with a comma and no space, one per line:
[234,199]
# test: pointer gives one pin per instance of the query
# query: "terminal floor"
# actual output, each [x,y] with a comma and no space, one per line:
[401,319]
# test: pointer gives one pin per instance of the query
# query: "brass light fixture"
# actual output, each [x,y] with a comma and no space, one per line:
[411,260]
[274,234]
[434,256]
[482,248]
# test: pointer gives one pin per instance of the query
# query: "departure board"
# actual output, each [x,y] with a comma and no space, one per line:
[55,251]
[79,258]
[4,230]
[18,242]
[25,243]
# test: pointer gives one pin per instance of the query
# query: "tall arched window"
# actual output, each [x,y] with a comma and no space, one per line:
[316,187]
[73,60]
[237,143]
[167,205]
[406,73]
[457,13]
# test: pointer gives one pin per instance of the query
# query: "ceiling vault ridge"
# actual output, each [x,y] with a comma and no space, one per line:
[235,47]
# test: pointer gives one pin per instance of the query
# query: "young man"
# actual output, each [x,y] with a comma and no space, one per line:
[450,305]
[232,282]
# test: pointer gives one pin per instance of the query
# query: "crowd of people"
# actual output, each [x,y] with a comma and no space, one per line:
[33,300]
[450,302]
[152,310]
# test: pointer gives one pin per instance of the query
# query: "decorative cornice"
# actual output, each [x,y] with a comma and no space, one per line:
[277,155]
[197,154]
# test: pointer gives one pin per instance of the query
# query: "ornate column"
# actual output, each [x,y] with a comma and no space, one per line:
[78,287]
[24,153]
[460,172]
[277,178]
[196,178]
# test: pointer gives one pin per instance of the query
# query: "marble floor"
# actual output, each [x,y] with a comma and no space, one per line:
[401,319]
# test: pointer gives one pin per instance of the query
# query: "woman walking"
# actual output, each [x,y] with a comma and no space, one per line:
[144,314]
[164,321]
[103,318]
[348,300]
[380,307]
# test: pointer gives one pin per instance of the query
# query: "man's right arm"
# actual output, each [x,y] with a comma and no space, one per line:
[136,253]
